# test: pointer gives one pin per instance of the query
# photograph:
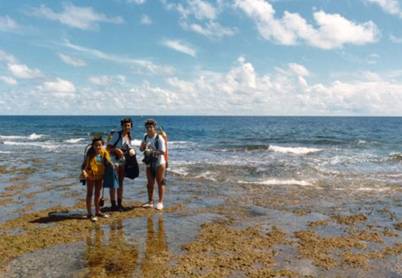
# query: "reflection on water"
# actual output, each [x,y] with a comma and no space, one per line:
[156,249]
[110,254]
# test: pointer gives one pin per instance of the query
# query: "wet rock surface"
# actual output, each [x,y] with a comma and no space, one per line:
[258,231]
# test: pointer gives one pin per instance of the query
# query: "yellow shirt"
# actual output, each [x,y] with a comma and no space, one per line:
[95,167]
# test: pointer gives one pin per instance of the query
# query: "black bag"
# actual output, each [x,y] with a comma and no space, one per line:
[131,169]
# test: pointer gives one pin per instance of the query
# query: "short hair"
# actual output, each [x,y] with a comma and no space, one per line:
[150,122]
[126,120]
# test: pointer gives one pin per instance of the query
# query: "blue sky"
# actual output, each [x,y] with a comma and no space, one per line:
[198,57]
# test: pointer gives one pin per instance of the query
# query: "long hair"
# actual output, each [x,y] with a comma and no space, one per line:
[91,153]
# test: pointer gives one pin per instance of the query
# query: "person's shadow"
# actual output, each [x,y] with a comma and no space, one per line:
[56,216]
[108,253]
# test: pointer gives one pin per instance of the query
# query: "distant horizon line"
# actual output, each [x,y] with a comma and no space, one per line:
[203,115]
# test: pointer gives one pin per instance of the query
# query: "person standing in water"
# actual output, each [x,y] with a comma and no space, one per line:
[118,146]
[154,148]
[93,169]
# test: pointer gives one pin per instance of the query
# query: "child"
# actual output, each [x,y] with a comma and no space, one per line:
[93,169]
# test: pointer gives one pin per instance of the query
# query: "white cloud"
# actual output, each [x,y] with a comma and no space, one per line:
[58,86]
[7,57]
[241,90]
[395,39]
[332,31]
[200,17]
[141,64]
[193,8]
[71,60]
[287,91]
[138,2]
[8,24]
[373,58]
[209,29]
[105,80]
[202,9]
[145,20]
[299,69]
[180,47]
[8,80]
[84,18]
[389,6]
[23,71]
[17,69]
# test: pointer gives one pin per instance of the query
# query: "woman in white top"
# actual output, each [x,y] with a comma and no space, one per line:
[154,148]
[118,146]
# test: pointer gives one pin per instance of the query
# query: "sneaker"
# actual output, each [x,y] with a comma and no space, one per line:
[114,208]
[159,206]
[121,208]
[93,218]
[103,215]
[148,205]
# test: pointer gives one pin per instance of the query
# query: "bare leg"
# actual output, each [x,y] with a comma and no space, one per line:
[150,184]
[98,188]
[112,192]
[160,179]
[121,179]
[120,189]
[90,188]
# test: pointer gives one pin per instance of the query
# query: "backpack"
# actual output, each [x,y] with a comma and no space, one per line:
[162,133]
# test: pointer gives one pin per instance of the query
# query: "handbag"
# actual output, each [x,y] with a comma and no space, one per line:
[131,169]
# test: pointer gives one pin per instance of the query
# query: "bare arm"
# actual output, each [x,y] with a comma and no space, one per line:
[143,146]
[116,151]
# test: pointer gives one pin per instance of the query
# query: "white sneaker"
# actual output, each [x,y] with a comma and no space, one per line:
[94,218]
[148,205]
[159,206]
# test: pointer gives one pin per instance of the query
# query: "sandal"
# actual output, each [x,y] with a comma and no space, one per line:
[103,215]
[148,205]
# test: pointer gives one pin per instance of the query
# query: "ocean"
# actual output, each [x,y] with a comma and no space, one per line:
[345,152]
[340,153]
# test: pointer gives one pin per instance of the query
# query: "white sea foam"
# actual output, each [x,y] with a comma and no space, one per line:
[293,150]
[178,171]
[33,136]
[12,137]
[207,175]
[136,142]
[74,140]
[394,175]
[279,182]
[43,145]
[178,143]
[371,189]
[5,152]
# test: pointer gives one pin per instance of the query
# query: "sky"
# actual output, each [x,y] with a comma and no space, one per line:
[199,57]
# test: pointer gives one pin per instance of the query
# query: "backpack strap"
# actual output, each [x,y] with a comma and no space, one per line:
[118,139]
[157,142]
[85,161]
